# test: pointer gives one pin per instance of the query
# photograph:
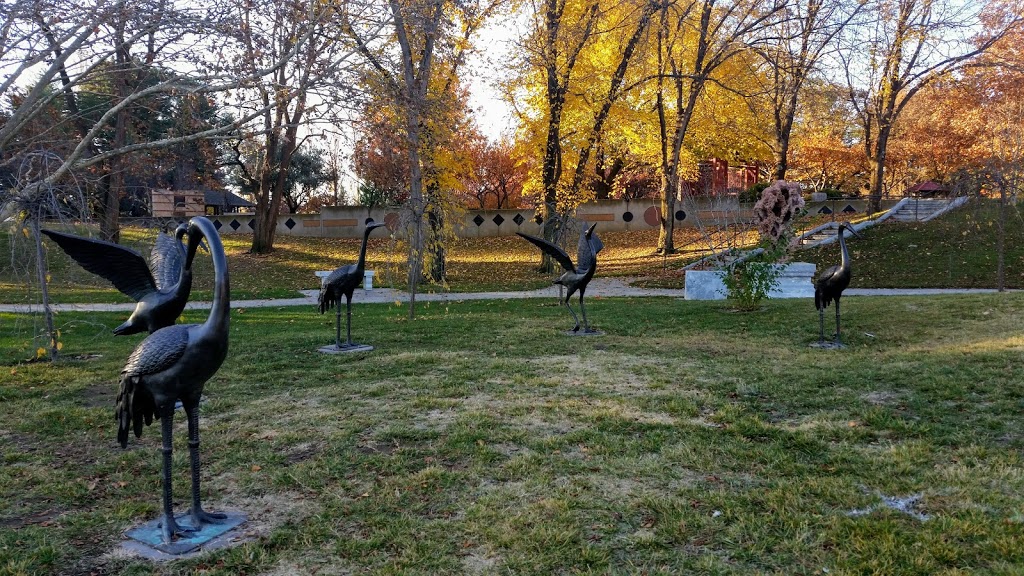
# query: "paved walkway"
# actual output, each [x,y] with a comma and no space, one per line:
[598,288]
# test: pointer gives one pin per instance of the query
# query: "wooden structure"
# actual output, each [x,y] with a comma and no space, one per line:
[177,203]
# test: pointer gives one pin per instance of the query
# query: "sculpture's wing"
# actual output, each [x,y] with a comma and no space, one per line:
[123,267]
[134,405]
[166,261]
[551,250]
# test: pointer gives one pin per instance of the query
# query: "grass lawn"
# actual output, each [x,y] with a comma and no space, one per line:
[478,439]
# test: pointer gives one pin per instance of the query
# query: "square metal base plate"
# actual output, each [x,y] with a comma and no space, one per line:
[211,535]
[582,333]
[333,349]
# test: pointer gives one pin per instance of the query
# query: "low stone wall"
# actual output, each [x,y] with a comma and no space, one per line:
[795,281]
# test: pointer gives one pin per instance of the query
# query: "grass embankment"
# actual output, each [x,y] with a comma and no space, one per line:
[956,250]
[478,439]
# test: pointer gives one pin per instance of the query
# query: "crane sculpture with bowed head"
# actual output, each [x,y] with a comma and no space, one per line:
[174,363]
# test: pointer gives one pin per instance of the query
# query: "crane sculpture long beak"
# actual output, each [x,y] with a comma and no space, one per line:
[855,233]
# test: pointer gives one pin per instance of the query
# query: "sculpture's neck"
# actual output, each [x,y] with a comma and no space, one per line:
[845,262]
[361,263]
[220,310]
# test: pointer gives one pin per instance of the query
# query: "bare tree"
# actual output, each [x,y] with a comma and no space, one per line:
[310,58]
[791,49]
[51,49]
[898,48]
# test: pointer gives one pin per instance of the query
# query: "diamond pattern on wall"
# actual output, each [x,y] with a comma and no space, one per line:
[824,210]
[498,220]
[849,209]
[289,223]
[538,219]
[252,224]
[478,220]
[217,224]
[518,219]
[234,225]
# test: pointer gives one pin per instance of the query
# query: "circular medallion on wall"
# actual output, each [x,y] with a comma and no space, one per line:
[652,216]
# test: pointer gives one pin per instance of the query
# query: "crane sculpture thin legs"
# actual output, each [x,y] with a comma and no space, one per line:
[169,528]
[348,325]
[839,338]
[586,325]
[199,516]
[574,317]
[821,325]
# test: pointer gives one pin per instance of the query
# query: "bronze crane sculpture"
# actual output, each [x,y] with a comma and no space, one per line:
[161,288]
[576,277]
[343,282]
[830,284]
[173,364]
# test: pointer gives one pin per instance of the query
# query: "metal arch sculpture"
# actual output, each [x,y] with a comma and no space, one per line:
[576,277]
[343,282]
[829,287]
[161,288]
[174,363]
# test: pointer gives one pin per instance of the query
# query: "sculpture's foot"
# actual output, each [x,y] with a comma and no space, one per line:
[169,529]
[575,328]
[336,349]
[201,517]
[590,330]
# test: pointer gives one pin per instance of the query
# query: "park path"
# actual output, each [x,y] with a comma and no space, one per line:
[598,288]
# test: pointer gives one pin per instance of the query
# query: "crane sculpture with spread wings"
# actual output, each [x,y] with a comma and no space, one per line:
[576,277]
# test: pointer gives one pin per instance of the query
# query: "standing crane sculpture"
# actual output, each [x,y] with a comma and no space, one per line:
[343,282]
[173,363]
[160,288]
[829,286]
[576,277]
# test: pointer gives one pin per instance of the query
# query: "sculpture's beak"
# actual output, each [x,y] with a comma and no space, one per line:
[195,240]
[854,232]
[376,225]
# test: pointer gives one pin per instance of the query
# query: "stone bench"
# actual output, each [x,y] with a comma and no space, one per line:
[367,278]
[796,281]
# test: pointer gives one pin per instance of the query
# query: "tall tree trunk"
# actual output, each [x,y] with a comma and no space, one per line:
[877,166]
[1001,241]
[110,229]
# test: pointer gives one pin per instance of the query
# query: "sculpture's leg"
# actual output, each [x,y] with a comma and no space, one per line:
[839,337]
[583,309]
[348,318]
[821,325]
[169,528]
[199,516]
[337,323]
[574,317]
